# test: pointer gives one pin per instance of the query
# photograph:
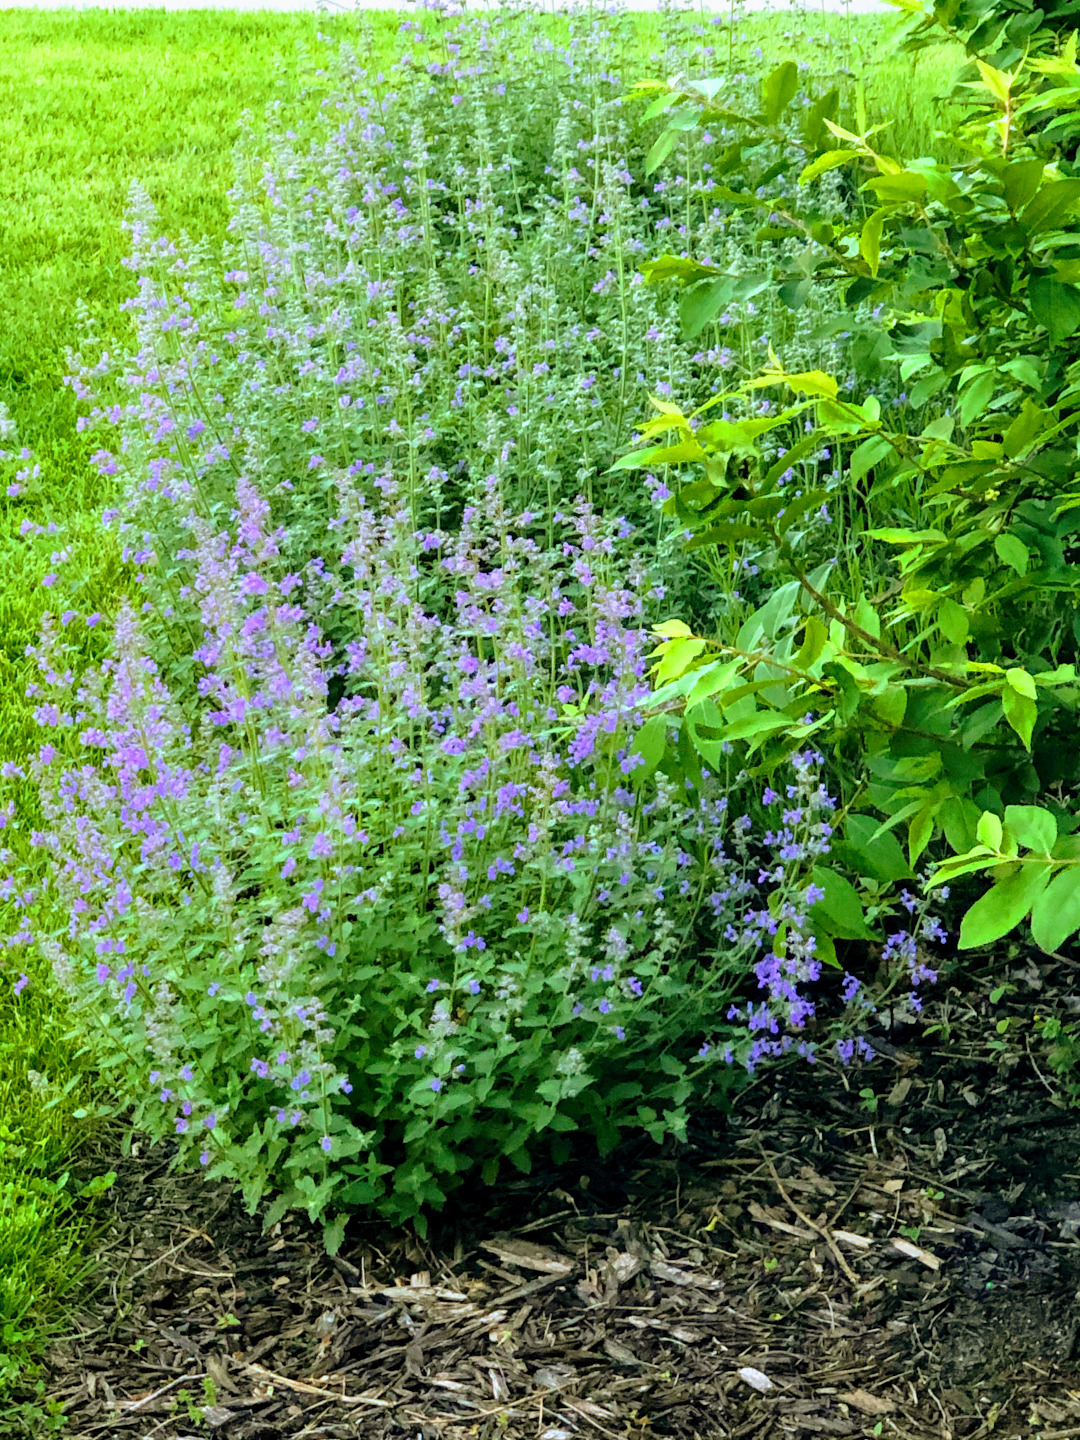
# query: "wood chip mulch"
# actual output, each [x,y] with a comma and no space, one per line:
[890,1251]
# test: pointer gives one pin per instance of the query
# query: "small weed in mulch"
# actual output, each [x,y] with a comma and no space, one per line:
[885,1252]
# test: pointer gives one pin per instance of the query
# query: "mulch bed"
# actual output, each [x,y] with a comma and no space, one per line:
[804,1266]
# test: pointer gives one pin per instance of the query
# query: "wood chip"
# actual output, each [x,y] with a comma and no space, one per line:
[899,1092]
[848,1237]
[528,1256]
[755,1379]
[663,1271]
[916,1252]
[868,1404]
[763,1217]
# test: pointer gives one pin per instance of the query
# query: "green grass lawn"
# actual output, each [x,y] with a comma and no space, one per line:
[90,101]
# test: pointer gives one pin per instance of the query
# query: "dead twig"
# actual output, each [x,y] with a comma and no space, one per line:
[834,1249]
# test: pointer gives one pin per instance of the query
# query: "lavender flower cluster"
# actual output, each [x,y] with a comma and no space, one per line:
[348,923]
[440,265]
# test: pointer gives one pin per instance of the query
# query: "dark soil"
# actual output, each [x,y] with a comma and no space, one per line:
[805,1266]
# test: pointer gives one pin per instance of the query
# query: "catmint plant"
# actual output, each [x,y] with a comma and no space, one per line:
[348,924]
[442,264]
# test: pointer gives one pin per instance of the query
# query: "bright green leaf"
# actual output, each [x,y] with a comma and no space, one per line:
[1012,552]
[1021,712]
[1004,906]
[1056,913]
[1033,827]
[840,906]
[988,830]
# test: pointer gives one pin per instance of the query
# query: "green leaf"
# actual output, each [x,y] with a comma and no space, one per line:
[729,534]
[898,189]
[1056,307]
[1019,680]
[660,149]
[1004,906]
[679,454]
[1022,180]
[953,621]
[812,382]
[673,630]
[1049,206]
[676,267]
[711,680]
[841,907]
[1056,913]
[920,833]
[824,108]
[1024,430]
[865,456]
[650,742]
[1021,712]
[870,240]
[1012,552]
[703,303]
[678,656]
[1033,827]
[815,638]
[778,89]
[830,160]
[977,395]
[988,831]
[879,857]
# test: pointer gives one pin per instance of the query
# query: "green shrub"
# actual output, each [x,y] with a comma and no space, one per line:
[934,635]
